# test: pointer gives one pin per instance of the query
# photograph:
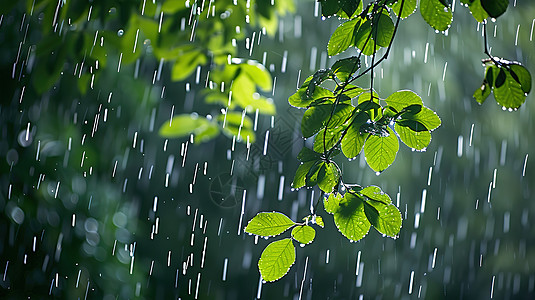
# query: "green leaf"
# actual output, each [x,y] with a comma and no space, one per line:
[186,64]
[327,138]
[401,99]
[184,125]
[415,140]
[300,175]
[385,218]
[307,155]
[409,7]
[258,74]
[314,119]
[375,193]
[350,218]
[301,99]
[303,234]
[383,30]
[318,220]
[380,151]
[332,203]
[239,125]
[521,75]
[509,94]
[276,260]
[354,140]
[342,37]
[436,14]
[495,8]
[426,117]
[343,68]
[269,224]
[318,77]
[478,12]
[328,177]
[342,113]
[482,93]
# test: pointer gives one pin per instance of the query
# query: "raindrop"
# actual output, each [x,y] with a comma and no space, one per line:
[120,32]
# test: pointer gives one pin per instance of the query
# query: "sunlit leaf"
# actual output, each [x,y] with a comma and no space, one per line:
[482,93]
[300,175]
[415,140]
[332,202]
[426,117]
[401,99]
[328,177]
[342,37]
[350,218]
[385,218]
[375,193]
[327,138]
[409,7]
[303,234]
[353,141]
[269,224]
[436,14]
[277,259]
[186,64]
[478,12]
[380,151]
[319,221]
[258,74]
[184,125]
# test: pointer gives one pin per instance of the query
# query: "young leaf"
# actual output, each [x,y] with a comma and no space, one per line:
[380,151]
[300,175]
[342,37]
[303,234]
[385,218]
[415,140]
[332,203]
[482,93]
[329,177]
[269,224]
[495,8]
[319,221]
[436,14]
[509,94]
[375,193]
[478,12]
[350,218]
[277,259]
